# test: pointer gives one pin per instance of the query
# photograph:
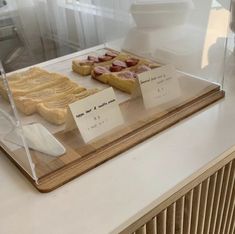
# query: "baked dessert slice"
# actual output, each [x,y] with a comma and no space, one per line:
[55,111]
[123,74]
[124,81]
[19,77]
[101,73]
[36,84]
[28,74]
[127,80]
[27,104]
[84,67]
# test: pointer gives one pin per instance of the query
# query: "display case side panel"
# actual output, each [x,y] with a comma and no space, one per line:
[12,136]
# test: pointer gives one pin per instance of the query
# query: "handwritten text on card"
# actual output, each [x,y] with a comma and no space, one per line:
[159,86]
[97,114]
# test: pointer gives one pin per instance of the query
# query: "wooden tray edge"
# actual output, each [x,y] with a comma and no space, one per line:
[60,177]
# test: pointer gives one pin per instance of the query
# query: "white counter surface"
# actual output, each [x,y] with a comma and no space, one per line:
[113,195]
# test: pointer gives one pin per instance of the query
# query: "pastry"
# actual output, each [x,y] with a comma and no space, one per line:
[55,111]
[123,74]
[84,67]
[19,77]
[48,94]
[101,73]
[28,74]
[124,81]
[37,83]
[27,104]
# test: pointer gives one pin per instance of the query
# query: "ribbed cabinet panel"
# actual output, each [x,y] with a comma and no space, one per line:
[208,208]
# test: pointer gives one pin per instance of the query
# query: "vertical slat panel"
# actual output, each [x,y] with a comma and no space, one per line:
[151,226]
[188,212]
[228,199]
[231,213]
[218,188]
[141,230]
[208,208]
[179,216]
[232,228]
[170,221]
[222,198]
[161,222]
[203,205]
[156,224]
[210,202]
[195,209]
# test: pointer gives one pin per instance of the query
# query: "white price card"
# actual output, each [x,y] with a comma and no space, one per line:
[97,114]
[159,86]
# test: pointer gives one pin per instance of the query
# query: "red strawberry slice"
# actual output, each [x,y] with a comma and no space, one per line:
[119,63]
[93,58]
[142,68]
[104,58]
[111,54]
[132,62]
[100,70]
[115,68]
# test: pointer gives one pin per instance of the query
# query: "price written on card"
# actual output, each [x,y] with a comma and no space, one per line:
[96,114]
[159,86]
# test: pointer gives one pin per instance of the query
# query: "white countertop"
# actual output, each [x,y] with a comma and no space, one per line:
[113,195]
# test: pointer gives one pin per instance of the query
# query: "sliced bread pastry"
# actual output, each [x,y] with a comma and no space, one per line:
[27,104]
[20,77]
[36,84]
[55,111]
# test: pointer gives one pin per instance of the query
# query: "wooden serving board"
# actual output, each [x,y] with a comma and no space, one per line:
[140,124]
[78,160]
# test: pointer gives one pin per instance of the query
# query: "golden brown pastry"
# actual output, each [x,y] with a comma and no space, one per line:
[124,81]
[27,104]
[55,111]
[123,74]
[28,74]
[84,67]
[19,77]
[37,83]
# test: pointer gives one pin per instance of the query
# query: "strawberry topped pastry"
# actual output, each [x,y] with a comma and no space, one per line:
[112,54]
[84,66]
[104,58]
[126,80]
[92,58]
[132,62]
[119,70]
[101,74]
[142,68]
[122,74]
[117,66]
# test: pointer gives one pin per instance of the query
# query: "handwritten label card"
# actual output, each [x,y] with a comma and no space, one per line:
[159,86]
[97,114]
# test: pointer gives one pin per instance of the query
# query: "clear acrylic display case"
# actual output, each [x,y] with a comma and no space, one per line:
[194,43]
[10,126]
